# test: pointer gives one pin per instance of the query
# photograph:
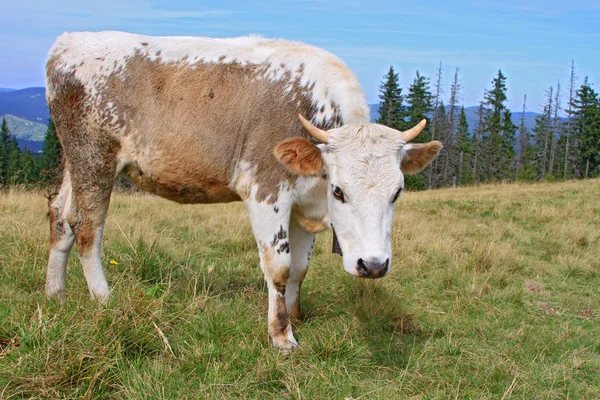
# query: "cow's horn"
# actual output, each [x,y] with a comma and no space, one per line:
[412,133]
[319,134]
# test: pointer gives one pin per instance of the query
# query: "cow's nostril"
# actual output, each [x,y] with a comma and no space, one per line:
[362,267]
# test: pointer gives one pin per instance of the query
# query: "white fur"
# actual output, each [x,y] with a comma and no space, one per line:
[363,160]
[93,56]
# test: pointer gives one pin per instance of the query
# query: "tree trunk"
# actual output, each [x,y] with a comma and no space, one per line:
[460,167]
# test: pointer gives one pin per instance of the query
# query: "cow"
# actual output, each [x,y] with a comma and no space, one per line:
[282,126]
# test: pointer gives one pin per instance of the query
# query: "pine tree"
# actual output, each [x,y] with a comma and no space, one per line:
[523,139]
[51,155]
[464,147]
[542,127]
[419,100]
[587,127]
[391,112]
[4,138]
[9,155]
[479,145]
[556,128]
[500,131]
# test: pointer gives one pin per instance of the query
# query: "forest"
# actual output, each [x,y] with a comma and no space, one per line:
[564,143]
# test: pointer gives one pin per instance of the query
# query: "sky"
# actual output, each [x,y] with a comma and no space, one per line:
[533,42]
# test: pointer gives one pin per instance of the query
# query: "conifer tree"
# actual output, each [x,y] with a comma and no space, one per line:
[500,139]
[391,112]
[464,147]
[9,155]
[419,100]
[587,125]
[51,155]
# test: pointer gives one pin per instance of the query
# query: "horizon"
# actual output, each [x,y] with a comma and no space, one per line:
[533,42]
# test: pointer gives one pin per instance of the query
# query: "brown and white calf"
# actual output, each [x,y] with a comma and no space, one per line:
[200,120]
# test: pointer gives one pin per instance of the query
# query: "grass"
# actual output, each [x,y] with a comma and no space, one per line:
[494,294]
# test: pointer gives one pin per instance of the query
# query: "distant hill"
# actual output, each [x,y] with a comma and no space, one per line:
[472,117]
[6,90]
[29,104]
[24,129]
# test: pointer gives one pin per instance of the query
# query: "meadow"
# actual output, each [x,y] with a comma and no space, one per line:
[494,294]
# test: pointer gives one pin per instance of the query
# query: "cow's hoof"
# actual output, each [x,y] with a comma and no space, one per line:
[101,296]
[59,296]
[285,343]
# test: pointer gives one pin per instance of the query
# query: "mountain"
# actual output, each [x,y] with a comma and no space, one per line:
[6,90]
[29,104]
[472,119]
[24,129]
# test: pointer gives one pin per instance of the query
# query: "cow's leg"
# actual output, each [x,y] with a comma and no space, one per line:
[301,244]
[61,241]
[270,224]
[91,200]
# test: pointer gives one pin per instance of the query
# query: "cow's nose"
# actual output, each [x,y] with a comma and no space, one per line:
[372,269]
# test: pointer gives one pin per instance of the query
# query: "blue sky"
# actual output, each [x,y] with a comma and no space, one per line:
[533,41]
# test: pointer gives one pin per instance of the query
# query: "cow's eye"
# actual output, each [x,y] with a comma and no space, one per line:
[338,194]
[396,195]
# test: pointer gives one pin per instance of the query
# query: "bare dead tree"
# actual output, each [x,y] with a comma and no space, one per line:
[436,104]
[555,127]
[569,113]
[454,93]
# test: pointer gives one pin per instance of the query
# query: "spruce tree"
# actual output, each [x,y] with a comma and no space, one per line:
[500,139]
[9,155]
[464,148]
[4,138]
[419,100]
[420,105]
[587,127]
[391,112]
[51,155]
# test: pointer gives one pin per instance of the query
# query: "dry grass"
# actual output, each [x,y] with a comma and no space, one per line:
[494,293]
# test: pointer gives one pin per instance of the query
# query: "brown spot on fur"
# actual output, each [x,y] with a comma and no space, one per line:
[300,156]
[308,224]
[419,156]
[278,324]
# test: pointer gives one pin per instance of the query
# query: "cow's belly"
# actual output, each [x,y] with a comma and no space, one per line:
[181,186]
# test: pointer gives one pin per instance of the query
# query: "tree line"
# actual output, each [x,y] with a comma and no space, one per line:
[22,167]
[496,150]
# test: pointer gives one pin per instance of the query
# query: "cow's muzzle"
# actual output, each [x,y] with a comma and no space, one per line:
[372,269]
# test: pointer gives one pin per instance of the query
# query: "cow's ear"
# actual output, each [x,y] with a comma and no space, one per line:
[416,156]
[299,155]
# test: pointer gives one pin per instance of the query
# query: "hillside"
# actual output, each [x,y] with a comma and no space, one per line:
[29,104]
[24,129]
[493,294]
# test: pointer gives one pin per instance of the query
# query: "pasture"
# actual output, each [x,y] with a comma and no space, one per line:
[494,294]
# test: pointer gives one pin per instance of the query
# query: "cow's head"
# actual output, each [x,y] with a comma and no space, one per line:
[364,166]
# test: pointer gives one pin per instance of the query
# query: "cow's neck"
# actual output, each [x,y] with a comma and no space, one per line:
[310,208]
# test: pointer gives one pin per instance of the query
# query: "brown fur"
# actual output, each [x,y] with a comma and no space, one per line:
[299,155]
[202,122]
[419,156]
[308,224]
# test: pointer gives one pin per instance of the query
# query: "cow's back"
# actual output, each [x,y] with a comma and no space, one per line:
[188,116]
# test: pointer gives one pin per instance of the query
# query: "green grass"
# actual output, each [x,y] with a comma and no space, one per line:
[494,293]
